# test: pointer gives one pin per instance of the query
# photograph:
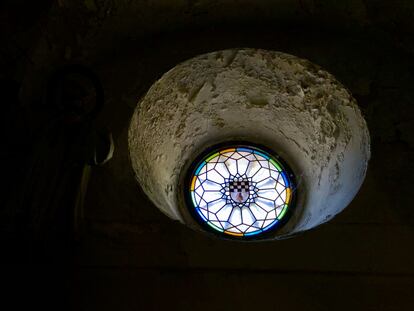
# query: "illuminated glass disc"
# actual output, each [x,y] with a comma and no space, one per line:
[240,191]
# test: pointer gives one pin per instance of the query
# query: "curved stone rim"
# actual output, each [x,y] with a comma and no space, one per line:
[202,101]
[270,155]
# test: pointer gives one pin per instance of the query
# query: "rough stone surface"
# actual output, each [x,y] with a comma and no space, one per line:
[286,103]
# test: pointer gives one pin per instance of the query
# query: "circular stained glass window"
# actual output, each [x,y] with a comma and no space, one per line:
[240,191]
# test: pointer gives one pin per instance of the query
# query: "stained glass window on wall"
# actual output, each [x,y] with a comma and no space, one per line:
[242,191]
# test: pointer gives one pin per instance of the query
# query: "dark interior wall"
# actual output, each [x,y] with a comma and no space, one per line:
[127,254]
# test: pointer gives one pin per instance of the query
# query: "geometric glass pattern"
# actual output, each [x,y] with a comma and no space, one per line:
[240,191]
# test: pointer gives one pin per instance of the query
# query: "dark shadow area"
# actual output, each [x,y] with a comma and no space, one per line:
[78,236]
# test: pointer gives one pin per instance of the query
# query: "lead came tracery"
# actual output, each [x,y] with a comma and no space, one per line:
[240,191]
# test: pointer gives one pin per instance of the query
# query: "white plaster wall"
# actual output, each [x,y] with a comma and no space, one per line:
[288,104]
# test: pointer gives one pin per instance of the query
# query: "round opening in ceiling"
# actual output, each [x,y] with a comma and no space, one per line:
[240,191]
[284,103]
